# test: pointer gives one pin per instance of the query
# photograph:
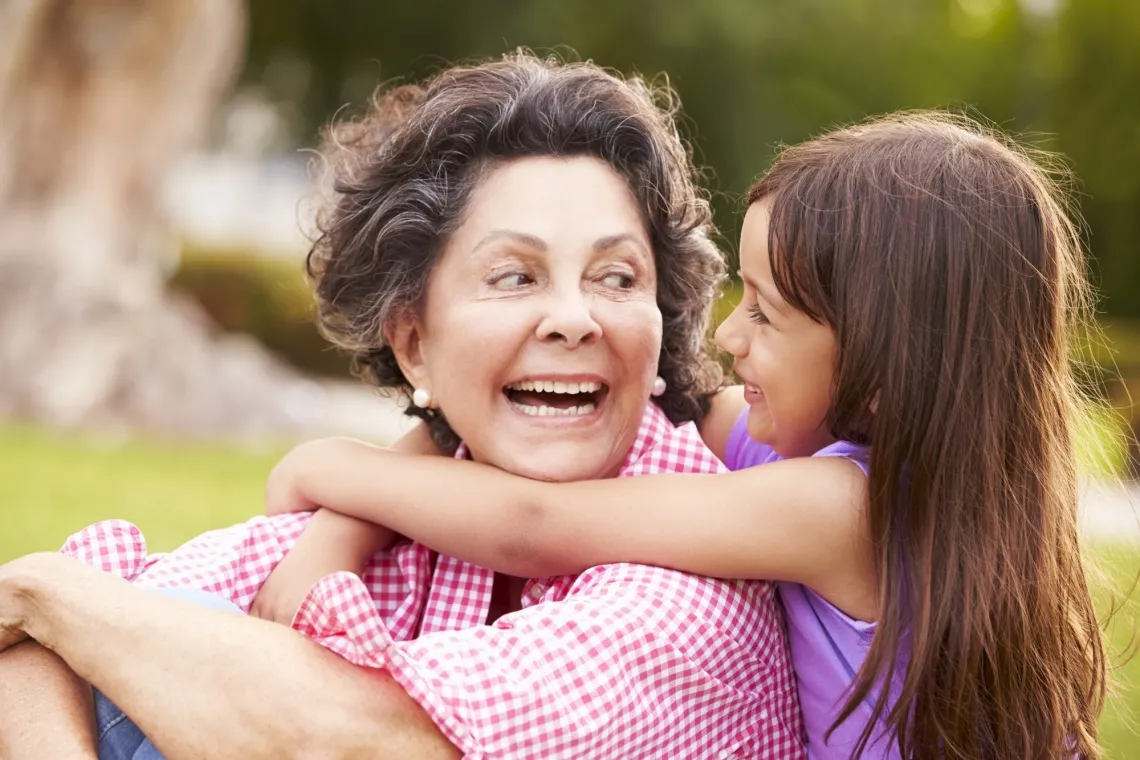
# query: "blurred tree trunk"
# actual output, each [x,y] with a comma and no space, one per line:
[98,99]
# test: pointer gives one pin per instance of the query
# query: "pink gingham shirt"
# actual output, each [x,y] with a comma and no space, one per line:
[622,661]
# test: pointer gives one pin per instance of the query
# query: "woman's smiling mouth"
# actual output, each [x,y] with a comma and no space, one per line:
[555,397]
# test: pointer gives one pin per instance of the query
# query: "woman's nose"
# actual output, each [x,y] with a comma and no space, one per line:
[569,321]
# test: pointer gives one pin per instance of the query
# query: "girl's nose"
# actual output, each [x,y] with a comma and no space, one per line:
[731,334]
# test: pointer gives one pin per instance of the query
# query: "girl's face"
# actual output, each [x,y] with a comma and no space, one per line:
[785,359]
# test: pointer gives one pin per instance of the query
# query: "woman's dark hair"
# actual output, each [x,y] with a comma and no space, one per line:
[945,261]
[403,174]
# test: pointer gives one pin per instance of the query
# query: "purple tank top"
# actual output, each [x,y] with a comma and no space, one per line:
[828,646]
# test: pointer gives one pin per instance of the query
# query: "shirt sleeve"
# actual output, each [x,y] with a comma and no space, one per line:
[113,546]
[232,563]
[860,456]
[635,662]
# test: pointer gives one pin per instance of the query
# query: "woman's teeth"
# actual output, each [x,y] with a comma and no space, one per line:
[553,398]
[548,386]
[551,411]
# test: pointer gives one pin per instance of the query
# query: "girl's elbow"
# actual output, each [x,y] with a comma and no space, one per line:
[527,547]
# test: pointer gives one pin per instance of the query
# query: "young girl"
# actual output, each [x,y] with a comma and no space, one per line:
[911,286]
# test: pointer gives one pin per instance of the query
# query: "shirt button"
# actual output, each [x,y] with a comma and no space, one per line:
[538,589]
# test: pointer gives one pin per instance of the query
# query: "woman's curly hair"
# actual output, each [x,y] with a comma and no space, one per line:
[403,174]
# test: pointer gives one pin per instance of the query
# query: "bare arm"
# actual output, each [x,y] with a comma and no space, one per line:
[45,709]
[332,542]
[245,688]
[801,520]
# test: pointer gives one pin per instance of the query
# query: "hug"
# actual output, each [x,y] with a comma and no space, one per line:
[594,546]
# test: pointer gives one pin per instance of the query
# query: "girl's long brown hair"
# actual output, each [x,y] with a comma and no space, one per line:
[945,260]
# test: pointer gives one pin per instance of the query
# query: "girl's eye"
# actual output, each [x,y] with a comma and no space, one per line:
[511,281]
[618,281]
[757,315]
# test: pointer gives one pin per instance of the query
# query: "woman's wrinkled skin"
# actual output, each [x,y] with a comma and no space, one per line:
[550,278]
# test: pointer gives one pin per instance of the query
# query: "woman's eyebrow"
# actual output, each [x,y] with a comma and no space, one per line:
[612,241]
[530,241]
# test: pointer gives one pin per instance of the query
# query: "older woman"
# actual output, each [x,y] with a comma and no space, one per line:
[519,247]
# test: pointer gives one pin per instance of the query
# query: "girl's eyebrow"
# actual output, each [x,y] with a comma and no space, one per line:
[770,296]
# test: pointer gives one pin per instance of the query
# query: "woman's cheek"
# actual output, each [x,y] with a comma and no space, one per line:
[637,324]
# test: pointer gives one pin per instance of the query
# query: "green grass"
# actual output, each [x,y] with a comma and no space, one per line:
[52,484]
[1120,724]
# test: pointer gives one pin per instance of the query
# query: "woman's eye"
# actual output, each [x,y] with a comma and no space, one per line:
[618,281]
[511,281]
[757,315]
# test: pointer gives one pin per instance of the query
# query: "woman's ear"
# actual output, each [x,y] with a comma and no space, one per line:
[405,339]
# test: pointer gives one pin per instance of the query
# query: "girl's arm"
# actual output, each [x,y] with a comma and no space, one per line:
[801,520]
[332,542]
[203,683]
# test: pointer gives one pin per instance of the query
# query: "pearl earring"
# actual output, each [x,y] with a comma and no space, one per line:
[422,398]
[659,387]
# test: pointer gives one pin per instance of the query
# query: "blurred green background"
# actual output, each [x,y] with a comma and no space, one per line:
[752,74]
[755,73]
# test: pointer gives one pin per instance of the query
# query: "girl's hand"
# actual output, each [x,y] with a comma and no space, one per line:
[283,490]
[316,473]
[331,543]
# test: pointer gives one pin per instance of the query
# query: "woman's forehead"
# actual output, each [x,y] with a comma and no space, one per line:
[541,199]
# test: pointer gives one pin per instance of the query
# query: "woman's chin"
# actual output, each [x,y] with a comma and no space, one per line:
[553,447]
[559,473]
[559,461]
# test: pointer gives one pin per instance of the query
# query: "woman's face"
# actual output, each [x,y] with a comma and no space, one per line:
[541,333]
